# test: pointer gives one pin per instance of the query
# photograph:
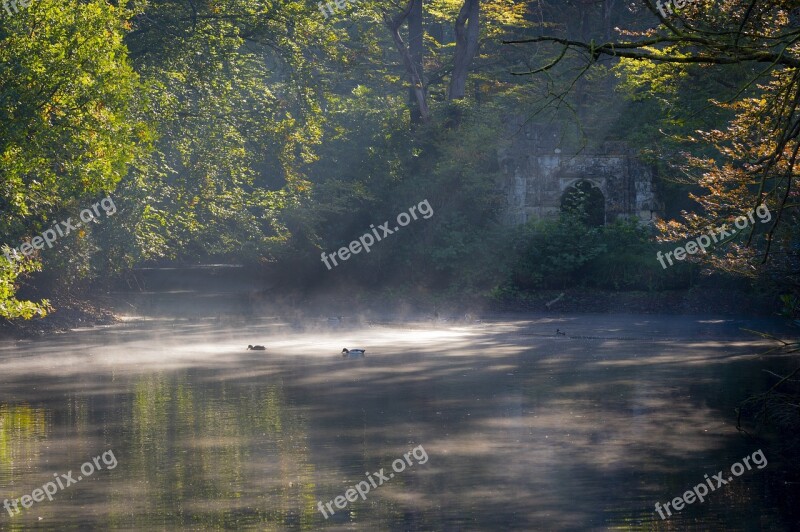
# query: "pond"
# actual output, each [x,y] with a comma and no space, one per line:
[492,424]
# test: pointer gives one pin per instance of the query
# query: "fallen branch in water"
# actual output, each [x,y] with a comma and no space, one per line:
[779,376]
[555,300]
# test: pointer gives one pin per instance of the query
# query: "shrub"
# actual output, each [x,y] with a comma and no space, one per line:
[567,252]
[629,261]
[10,306]
[551,253]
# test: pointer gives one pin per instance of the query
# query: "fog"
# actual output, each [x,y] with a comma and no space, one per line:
[523,428]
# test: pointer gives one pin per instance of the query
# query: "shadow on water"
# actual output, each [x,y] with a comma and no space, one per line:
[524,429]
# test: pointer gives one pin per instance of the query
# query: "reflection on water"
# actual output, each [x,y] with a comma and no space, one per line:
[225,456]
[22,431]
[524,430]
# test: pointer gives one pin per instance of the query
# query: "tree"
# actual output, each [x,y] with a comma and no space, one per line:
[466,46]
[756,155]
[469,29]
[232,99]
[68,130]
[10,306]
[412,58]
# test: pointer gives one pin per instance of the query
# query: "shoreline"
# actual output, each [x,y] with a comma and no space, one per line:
[99,310]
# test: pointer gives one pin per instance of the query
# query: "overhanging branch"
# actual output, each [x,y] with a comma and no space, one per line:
[635,50]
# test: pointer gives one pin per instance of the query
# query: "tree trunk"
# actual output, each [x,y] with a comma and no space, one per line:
[466,47]
[415,44]
[608,11]
[413,70]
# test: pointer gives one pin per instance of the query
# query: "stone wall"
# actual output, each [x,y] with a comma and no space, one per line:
[539,165]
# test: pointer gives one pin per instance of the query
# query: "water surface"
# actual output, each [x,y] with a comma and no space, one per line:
[523,429]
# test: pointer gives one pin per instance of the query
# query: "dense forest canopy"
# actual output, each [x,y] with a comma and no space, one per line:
[266,132]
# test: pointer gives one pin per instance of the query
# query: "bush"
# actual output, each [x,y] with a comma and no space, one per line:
[566,252]
[10,306]
[552,253]
[629,262]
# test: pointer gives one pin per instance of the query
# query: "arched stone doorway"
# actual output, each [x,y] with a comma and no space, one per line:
[585,198]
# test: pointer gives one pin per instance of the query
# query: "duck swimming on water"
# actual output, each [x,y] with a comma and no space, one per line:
[256,348]
[353,352]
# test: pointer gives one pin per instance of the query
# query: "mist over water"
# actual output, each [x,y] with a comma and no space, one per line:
[417,266]
[524,429]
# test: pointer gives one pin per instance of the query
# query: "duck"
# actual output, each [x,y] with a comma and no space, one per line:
[559,332]
[353,352]
[256,348]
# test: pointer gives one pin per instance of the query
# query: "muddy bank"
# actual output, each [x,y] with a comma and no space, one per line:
[67,314]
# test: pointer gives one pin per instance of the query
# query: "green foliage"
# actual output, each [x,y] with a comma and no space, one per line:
[235,123]
[668,105]
[551,253]
[10,271]
[790,306]
[586,202]
[68,130]
[629,261]
[455,169]
[260,132]
[565,252]
[66,127]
